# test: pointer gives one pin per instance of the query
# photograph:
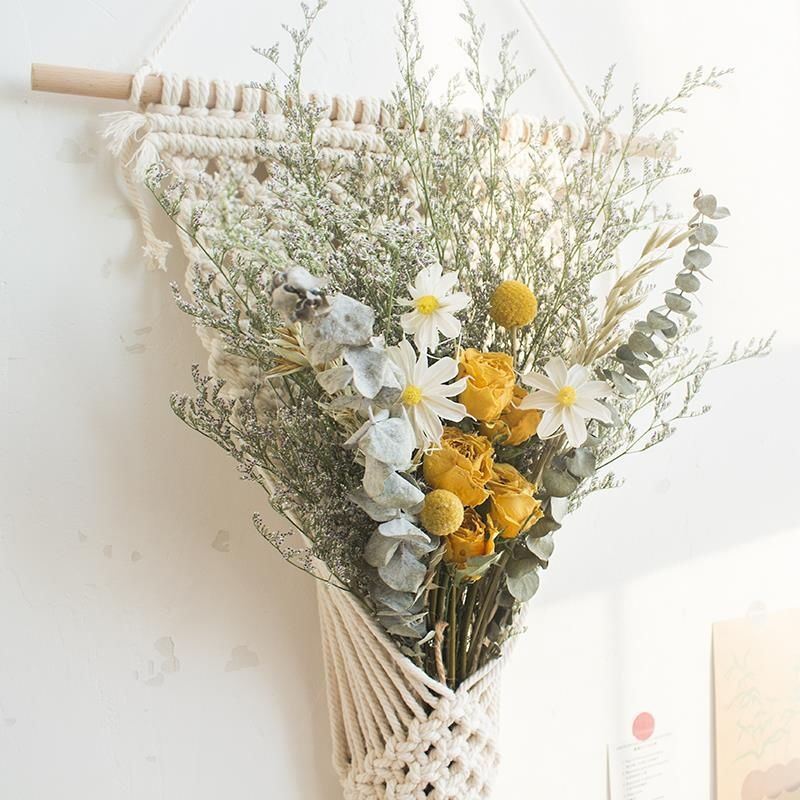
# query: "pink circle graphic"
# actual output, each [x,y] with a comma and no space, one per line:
[643,726]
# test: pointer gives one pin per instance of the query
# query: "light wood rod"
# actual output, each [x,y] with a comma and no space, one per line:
[108,85]
[117,86]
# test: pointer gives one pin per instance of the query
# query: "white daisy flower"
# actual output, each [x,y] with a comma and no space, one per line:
[425,392]
[568,398]
[433,308]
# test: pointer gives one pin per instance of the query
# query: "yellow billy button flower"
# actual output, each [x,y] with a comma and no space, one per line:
[442,513]
[513,305]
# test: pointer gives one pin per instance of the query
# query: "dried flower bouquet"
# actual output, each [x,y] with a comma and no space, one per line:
[438,374]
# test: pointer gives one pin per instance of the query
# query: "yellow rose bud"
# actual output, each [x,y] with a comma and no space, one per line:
[442,512]
[515,424]
[474,538]
[490,383]
[462,465]
[513,305]
[513,507]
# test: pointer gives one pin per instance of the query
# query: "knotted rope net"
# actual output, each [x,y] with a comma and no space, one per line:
[397,733]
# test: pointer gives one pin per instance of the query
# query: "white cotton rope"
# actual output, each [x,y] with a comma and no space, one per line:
[576,90]
[399,734]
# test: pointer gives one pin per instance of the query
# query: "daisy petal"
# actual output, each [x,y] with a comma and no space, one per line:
[592,409]
[551,421]
[430,425]
[446,409]
[538,400]
[574,427]
[426,337]
[595,389]
[455,302]
[539,381]
[556,370]
[448,324]
[577,376]
[440,372]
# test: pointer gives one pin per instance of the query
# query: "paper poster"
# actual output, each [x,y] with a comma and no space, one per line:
[643,766]
[757,707]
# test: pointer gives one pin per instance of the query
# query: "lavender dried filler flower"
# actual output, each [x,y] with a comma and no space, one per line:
[423,363]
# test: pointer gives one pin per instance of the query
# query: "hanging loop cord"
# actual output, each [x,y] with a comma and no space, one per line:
[150,64]
[576,90]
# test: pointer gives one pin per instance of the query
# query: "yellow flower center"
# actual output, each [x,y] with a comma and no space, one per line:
[566,396]
[427,304]
[411,395]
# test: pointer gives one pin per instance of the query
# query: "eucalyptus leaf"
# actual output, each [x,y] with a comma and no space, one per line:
[543,526]
[637,373]
[696,258]
[687,282]
[677,302]
[522,578]
[640,343]
[720,213]
[380,549]
[706,204]
[658,321]
[399,602]
[542,548]
[626,355]
[476,567]
[404,572]
[582,463]
[623,385]
[671,332]
[558,483]
[705,233]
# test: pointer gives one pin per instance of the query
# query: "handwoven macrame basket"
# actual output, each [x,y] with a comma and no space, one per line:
[399,734]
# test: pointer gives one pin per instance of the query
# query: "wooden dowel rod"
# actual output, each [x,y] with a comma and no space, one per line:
[117,86]
[108,85]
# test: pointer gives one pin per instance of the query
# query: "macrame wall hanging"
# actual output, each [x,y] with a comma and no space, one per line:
[398,733]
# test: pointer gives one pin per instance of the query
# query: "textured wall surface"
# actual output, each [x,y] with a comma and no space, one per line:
[151,645]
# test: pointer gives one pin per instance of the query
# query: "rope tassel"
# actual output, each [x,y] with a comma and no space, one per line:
[126,133]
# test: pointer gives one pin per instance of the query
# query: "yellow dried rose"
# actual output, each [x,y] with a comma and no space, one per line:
[462,465]
[474,538]
[490,383]
[513,507]
[517,425]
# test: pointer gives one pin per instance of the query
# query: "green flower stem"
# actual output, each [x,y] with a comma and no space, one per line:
[467,614]
[452,635]
[488,605]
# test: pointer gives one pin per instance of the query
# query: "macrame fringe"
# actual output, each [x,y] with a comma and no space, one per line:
[127,136]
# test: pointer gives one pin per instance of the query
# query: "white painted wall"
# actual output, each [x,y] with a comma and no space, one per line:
[151,645]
